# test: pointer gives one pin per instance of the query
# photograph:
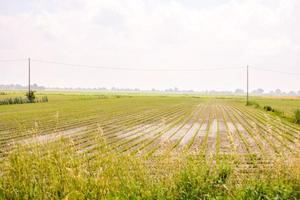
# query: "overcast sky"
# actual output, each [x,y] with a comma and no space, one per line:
[152,34]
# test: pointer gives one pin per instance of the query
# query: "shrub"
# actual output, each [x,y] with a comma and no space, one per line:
[2,93]
[30,96]
[268,108]
[297,116]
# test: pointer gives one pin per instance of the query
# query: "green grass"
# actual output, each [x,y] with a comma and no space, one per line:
[285,106]
[58,171]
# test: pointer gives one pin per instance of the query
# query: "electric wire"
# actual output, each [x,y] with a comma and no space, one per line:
[134,69]
[149,69]
[275,71]
[12,60]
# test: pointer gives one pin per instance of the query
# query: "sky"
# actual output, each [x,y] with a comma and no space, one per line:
[203,44]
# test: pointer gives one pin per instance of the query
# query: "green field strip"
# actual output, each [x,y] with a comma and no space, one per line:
[124,113]
[170,126]
[275,128]
[261,126]
[139,121]
[242,138]
[143,118]
[192,141]
[263,123]
[195,118]
[284,124]
[218,136]
[227,143]
[191,121]
[156,146]
[83,123]
[120,139]
[203,143]
[108,133]
[90,122]
[283,127]
[30,134]
[264,133]
[211,137]
[117,118]
[51,139]
[139,126]
[261,142]
[159,116]
[51,120]
[228,133]
[78,136]
[244,122]
[254,125]
[83,141]
[145,132]
[160,134]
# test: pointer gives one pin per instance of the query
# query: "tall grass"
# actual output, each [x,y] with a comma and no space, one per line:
[21,100]
[59,171]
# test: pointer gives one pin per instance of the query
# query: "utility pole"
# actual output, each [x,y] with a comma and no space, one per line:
[29,76]
[247,84]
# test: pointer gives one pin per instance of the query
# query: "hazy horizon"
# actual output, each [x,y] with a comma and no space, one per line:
[238,91]
[157,35]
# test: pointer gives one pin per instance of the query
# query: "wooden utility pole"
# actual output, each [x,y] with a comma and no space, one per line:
[247,84]
[29,76]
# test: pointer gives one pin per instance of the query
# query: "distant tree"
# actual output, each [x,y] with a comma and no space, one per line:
[239,91]
[278,92]
[259,91]
[292,93]
[35,86]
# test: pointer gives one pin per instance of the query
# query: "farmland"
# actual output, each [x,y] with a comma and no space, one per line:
[152,125]
[157,129]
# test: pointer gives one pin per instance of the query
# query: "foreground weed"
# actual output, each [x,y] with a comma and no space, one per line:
[60,171]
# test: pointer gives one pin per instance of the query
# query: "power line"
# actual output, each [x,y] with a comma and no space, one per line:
[12,60]
[147,69]
[132,69]
[275,71]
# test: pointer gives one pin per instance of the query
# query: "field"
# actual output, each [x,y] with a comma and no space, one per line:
[152,125]
[158,133]
[285,105]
